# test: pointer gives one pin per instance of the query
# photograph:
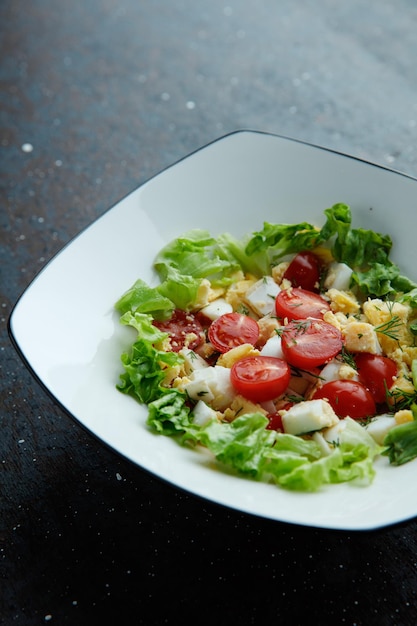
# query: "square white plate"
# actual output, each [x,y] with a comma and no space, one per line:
[66,330]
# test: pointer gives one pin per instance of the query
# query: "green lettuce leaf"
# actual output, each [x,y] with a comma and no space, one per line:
[182,289]
[401,441]
[257,264]
[143,364]
[410,296]
[169,415]
[240,443]
[144,299]
[196,254]
[290,461]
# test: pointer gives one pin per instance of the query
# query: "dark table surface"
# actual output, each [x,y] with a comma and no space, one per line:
[96,97]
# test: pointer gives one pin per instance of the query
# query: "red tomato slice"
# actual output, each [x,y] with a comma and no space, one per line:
[304,271]
[348,398]
[312,342]
[184,330]
[260,378]
[297,303]
[231,330]
[275,422]
[376,372]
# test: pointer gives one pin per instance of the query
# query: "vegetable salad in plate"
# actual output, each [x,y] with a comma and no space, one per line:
[291,353]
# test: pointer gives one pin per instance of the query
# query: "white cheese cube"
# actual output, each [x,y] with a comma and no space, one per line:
[261,296]
[308,416]
[216,308]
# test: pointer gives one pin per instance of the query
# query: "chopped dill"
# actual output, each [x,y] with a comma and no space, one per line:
[295,399]
[390,328]
[402,399]
[297,372]
[348,358]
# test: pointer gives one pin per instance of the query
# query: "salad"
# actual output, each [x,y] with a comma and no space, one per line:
[291,353]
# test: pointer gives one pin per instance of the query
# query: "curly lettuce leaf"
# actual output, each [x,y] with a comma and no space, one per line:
[169,415]
[144,299]
[365,251]
[196,254]
[145,362]
[295,463]
[240,443]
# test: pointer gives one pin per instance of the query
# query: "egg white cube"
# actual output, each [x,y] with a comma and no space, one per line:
[203,414]
[198,389]
[337,370]
[338,276]
[216,309]
[308,416]
[325,447]
[273,347]
[261,296]
[192,360]
[212,385]
[380,426]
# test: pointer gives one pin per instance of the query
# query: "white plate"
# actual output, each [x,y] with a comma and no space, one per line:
[66,330]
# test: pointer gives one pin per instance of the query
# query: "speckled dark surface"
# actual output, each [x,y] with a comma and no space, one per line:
[95,98]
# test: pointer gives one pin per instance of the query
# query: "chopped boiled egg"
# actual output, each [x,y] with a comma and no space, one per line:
[212,385]
[308,416]
[343,301]
[279,270]
[229,358]
[203,414]
[338,370]
[192,360]
[403,416]
[243,406]
[391,321]
[273,347]
[203,294]
[216,308]
[235,294]
[324,446]
[267,327]
[338,276]
[261,296]
[379,427]
[361,337]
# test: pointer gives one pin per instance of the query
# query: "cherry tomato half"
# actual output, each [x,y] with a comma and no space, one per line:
[376,372]
[231,330]
[304,271]
[297,303]
[274,422]
[260,378]
[184,330]
[312,342]
[348,398]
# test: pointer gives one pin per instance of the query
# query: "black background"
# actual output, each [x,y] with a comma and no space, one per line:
[108,94]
